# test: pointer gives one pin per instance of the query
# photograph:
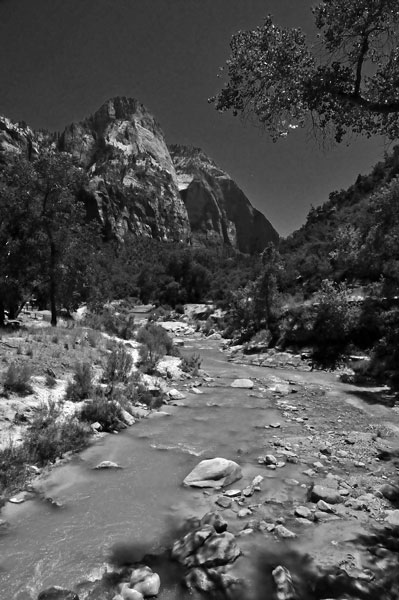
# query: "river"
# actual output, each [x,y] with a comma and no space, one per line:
[138,509]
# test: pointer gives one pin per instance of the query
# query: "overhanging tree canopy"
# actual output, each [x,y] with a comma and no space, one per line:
[345,82]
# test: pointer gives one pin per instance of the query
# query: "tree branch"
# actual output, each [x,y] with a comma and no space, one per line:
[384,108]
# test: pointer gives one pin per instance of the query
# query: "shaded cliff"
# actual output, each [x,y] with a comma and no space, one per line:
[218,210]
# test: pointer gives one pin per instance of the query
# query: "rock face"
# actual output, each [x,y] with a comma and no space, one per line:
[214,472]
[218,210]
[132,181]
[137,185]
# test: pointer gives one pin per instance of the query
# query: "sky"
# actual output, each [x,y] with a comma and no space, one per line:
[61,59]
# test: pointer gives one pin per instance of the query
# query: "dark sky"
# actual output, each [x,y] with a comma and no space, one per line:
[60,59]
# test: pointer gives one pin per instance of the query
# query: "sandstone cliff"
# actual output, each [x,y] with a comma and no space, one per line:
[134,185]
[218,210]
[132,181]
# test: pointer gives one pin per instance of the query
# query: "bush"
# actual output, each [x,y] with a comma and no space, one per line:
[155,343]
[17,379]
[109,321]
[191,364]
[82,385]
[104,411]
[119,364]
[45,440]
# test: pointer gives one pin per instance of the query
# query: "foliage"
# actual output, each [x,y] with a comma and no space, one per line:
[17,379]
[109,320]
[332,325]
[346,82]
[82,385]
[119,365]
[46,243]
[46,439]
[191,363]
[155,343]
[102,410]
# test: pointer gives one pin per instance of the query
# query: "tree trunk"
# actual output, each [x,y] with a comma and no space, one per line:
[53,287]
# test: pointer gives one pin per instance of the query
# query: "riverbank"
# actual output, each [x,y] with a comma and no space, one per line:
[300,431]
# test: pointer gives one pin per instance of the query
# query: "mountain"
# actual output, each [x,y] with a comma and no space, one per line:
[137,185]
[218,210]
[352,236]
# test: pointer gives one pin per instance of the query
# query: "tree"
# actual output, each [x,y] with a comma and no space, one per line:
[46,241]
[348,81]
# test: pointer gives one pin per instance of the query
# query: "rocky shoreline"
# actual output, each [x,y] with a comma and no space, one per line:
[348,461]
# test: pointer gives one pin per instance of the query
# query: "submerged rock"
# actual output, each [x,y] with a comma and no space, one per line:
[214,472]
[107,464]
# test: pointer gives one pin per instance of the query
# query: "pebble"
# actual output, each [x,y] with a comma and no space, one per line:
[232,493]
[244,512]
[274,425]
[324,506]
[303,511]
[224,502]
[270,459]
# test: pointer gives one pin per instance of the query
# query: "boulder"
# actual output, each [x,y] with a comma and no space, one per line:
[218,549]
[214,473]
[149,586]
[190,543]
[392,518]
[245,384]
[283,532]
[304,512]
[57,593]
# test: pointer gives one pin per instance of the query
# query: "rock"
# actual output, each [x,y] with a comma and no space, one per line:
[131,594]
[244,512]
[195,390]
[148,586]
[257,480]
[248,492]
[176,395]
[224,501]
[283,532]
[214,472]
[96,427]
[304,512]
[324,506]
[390,492]
[189,544]
[232,493]
[320,492]
[270,459]
[127,417]
[246,384]
[392,518]
[218,549]
[57,593]
[284,587]
[107,464]
[216,521]
[199,579]
[319,515]
[274,425]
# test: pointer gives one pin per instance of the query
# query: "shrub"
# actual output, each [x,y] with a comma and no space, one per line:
[17,379]
[111,322]
[155,344]
[82,385]
[191,364]
[104,411]
[119,365]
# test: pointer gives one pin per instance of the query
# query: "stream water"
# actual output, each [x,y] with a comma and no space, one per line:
[136,510]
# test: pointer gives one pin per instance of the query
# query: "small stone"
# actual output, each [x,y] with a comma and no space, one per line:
[342,453]
[280,464]
[247,492]
[224,502]
[303,521]
[270,459]
[319,515]
[309,472]
[257,480]
[275,425]
[285,533]
[325,450]
[232,493]
[244,512]
[303,511]
[242,384]
[318,465]
[324,506]
[359,463]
